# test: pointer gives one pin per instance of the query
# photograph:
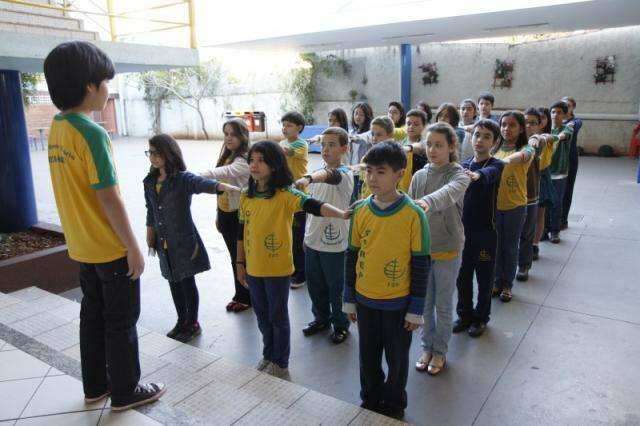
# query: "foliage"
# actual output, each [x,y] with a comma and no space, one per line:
[430,71]
[503,74]
[189,86]
[301,85]
[29,86]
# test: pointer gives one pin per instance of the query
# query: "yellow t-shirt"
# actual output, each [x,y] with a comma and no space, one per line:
[546,155]
[267,231]
[81,162]
[512,191]
[298,158]
[399,133]
[385,241]
[223,198]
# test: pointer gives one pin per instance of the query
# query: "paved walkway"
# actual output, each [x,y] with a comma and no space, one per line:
[564,351]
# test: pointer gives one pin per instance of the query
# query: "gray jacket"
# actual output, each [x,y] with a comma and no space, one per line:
[442,188]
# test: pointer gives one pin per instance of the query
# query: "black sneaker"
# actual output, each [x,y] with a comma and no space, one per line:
[143,394]
[536,252]
[555,237]
[523,274]
[175,330]
[314,327]
[394,413]
[461,325]
[477,329]
[339,335]
[189,332]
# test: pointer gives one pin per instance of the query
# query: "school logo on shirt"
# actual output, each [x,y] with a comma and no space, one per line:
[512,183]
[484,256]
[394,272]
[331,235]
[272,244]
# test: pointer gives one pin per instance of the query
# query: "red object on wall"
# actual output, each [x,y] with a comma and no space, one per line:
[634,146]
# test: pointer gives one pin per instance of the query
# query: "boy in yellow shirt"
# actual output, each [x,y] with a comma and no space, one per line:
[297,153]
[96,227]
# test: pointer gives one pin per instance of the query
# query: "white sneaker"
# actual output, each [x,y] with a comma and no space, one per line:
[263,364]
[276,371]
[298,285]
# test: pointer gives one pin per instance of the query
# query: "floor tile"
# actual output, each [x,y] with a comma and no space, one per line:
[189,358]
[38,324]
[180,383]
[230,373]
[230,404]
[54,372]
[276,391]
[330,411]
[14,396]
[61,338]
[73,352]
[59,394]
[6,300]
[69,311]
[29,294]
[50,302]
[16,365]
[366,418]
[267,414]
[85,418]
[150,364]
[156,344]
[16,312]
[558,375]
[126,418]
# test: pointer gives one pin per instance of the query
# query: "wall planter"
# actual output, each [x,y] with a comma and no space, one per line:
[50,269]
[503,74]
[430,71]
[605,70]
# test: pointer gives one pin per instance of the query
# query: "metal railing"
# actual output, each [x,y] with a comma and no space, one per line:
[65,6]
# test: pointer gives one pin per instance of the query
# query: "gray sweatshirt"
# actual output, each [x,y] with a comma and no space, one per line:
[442,188]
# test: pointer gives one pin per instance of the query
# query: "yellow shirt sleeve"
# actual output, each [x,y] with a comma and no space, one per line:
[420,241]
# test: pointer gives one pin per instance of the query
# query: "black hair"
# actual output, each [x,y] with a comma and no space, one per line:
[341,116]
[427,110]
[487,97]
[560,104]
[403,117]
[490,125]
[241,131]
[70,67]
[533,111]
[545,111]
[368,116]
[522,137]
[389,153]
[294,117]
[452,112]
[343,136]
[275,158]
[419,113]
[170,151]
[473,104]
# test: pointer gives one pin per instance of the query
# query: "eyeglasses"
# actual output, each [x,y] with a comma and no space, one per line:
[150,153]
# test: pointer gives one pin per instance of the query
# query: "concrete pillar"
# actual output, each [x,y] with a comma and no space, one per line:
[405,76]
[17,200]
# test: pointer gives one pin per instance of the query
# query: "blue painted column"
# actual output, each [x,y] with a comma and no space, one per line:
[17,201]
[405,76]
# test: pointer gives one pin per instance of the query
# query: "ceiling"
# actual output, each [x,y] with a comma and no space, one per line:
[383,22]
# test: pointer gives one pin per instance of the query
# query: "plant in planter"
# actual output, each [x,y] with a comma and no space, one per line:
[430,71]
[353,94]
[605,70]
[503,74]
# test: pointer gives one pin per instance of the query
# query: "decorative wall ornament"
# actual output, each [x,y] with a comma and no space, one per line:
[605,70]
[503,74]
[430,71]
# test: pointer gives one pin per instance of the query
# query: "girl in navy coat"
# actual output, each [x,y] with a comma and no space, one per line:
[170,229]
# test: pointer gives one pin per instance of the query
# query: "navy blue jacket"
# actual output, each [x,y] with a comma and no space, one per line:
[169,213]
[479,211]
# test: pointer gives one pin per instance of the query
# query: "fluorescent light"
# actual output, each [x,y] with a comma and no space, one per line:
[517,27]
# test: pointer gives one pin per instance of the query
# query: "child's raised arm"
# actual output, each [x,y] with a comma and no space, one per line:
[318,208]
[326,175]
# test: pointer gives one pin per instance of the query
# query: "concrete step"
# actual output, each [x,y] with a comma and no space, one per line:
[201,385]
[32,9]
[49,31]
[35,18]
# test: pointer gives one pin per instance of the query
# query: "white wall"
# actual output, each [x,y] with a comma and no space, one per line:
[544,72]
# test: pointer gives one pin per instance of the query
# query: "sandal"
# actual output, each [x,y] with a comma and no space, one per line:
[231,305]
[423,362]
[437,364]
[506,295]
[339,335]
[239,307]
[495,292]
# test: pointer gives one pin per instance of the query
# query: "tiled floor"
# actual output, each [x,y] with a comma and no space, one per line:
[563,352]
[33,393]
